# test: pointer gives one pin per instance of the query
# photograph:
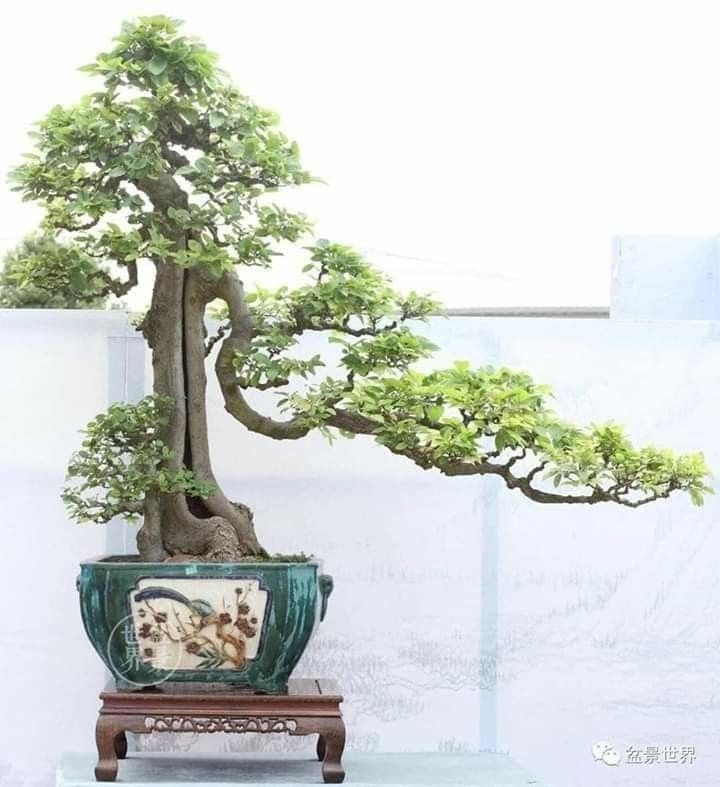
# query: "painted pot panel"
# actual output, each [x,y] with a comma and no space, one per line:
[197,624]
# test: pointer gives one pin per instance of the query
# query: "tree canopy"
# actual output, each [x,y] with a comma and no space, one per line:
[167,163]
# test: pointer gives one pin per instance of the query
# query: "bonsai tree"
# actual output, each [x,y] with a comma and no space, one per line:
[169,165]
[42,273]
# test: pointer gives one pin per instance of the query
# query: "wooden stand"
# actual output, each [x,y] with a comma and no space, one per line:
[309,707]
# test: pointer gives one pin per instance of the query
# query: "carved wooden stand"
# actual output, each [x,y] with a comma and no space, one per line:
[309,707]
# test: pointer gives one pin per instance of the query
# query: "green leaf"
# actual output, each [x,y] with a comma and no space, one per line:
[434,413]
[696,497]
[157,65]
[78,280]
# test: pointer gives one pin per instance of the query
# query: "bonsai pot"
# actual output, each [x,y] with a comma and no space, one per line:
[244,623]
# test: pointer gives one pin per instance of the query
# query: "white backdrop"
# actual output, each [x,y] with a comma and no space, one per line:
[487,149]
[464,617]
[54,379]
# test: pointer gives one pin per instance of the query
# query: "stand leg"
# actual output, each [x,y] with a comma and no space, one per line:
[106,734]
[333,746]
[320,748]
[121,746]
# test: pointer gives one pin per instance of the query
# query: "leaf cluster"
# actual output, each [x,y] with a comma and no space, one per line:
[42,273]
[464,420]
[350,300]
[121,459]
[168,161]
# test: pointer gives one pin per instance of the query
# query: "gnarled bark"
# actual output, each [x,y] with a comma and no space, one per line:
[213,529]
[198,292]
[149,537]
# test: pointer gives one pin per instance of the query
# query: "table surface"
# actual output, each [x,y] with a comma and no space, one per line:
[461,770]
[297,688]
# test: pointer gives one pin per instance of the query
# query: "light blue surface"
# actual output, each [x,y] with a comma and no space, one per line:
[461,770]
[666,277]
[487,512]
[126,383]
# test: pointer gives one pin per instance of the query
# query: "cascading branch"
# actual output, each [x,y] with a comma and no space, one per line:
[460,421]
[170,166]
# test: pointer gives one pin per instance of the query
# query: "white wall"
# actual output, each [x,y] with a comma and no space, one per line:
[666,277]
[464,617]
[54,378]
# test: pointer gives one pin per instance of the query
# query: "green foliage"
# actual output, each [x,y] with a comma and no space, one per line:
[165,110]
[42,273]
[167,161]
[394,349]
[350,294]
[346,296]
[121,459]
[603,456]
[461,419]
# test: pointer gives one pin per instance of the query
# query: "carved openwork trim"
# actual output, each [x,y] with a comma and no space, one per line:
[308,707]
[219,724]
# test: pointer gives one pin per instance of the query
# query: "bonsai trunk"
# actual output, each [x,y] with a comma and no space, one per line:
[176,526]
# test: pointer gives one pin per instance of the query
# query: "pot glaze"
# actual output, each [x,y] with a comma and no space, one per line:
[243,623]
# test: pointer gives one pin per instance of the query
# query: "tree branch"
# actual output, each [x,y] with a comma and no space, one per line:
[222,329]
[119,288]
[301,325]
[361,425]
[137,507]
[230,289]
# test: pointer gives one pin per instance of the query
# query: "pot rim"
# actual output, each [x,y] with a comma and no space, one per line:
[116,560]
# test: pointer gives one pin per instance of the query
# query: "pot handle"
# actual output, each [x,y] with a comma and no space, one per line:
[326,584]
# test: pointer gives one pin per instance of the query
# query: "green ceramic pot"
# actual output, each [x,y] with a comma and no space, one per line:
[245,624]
